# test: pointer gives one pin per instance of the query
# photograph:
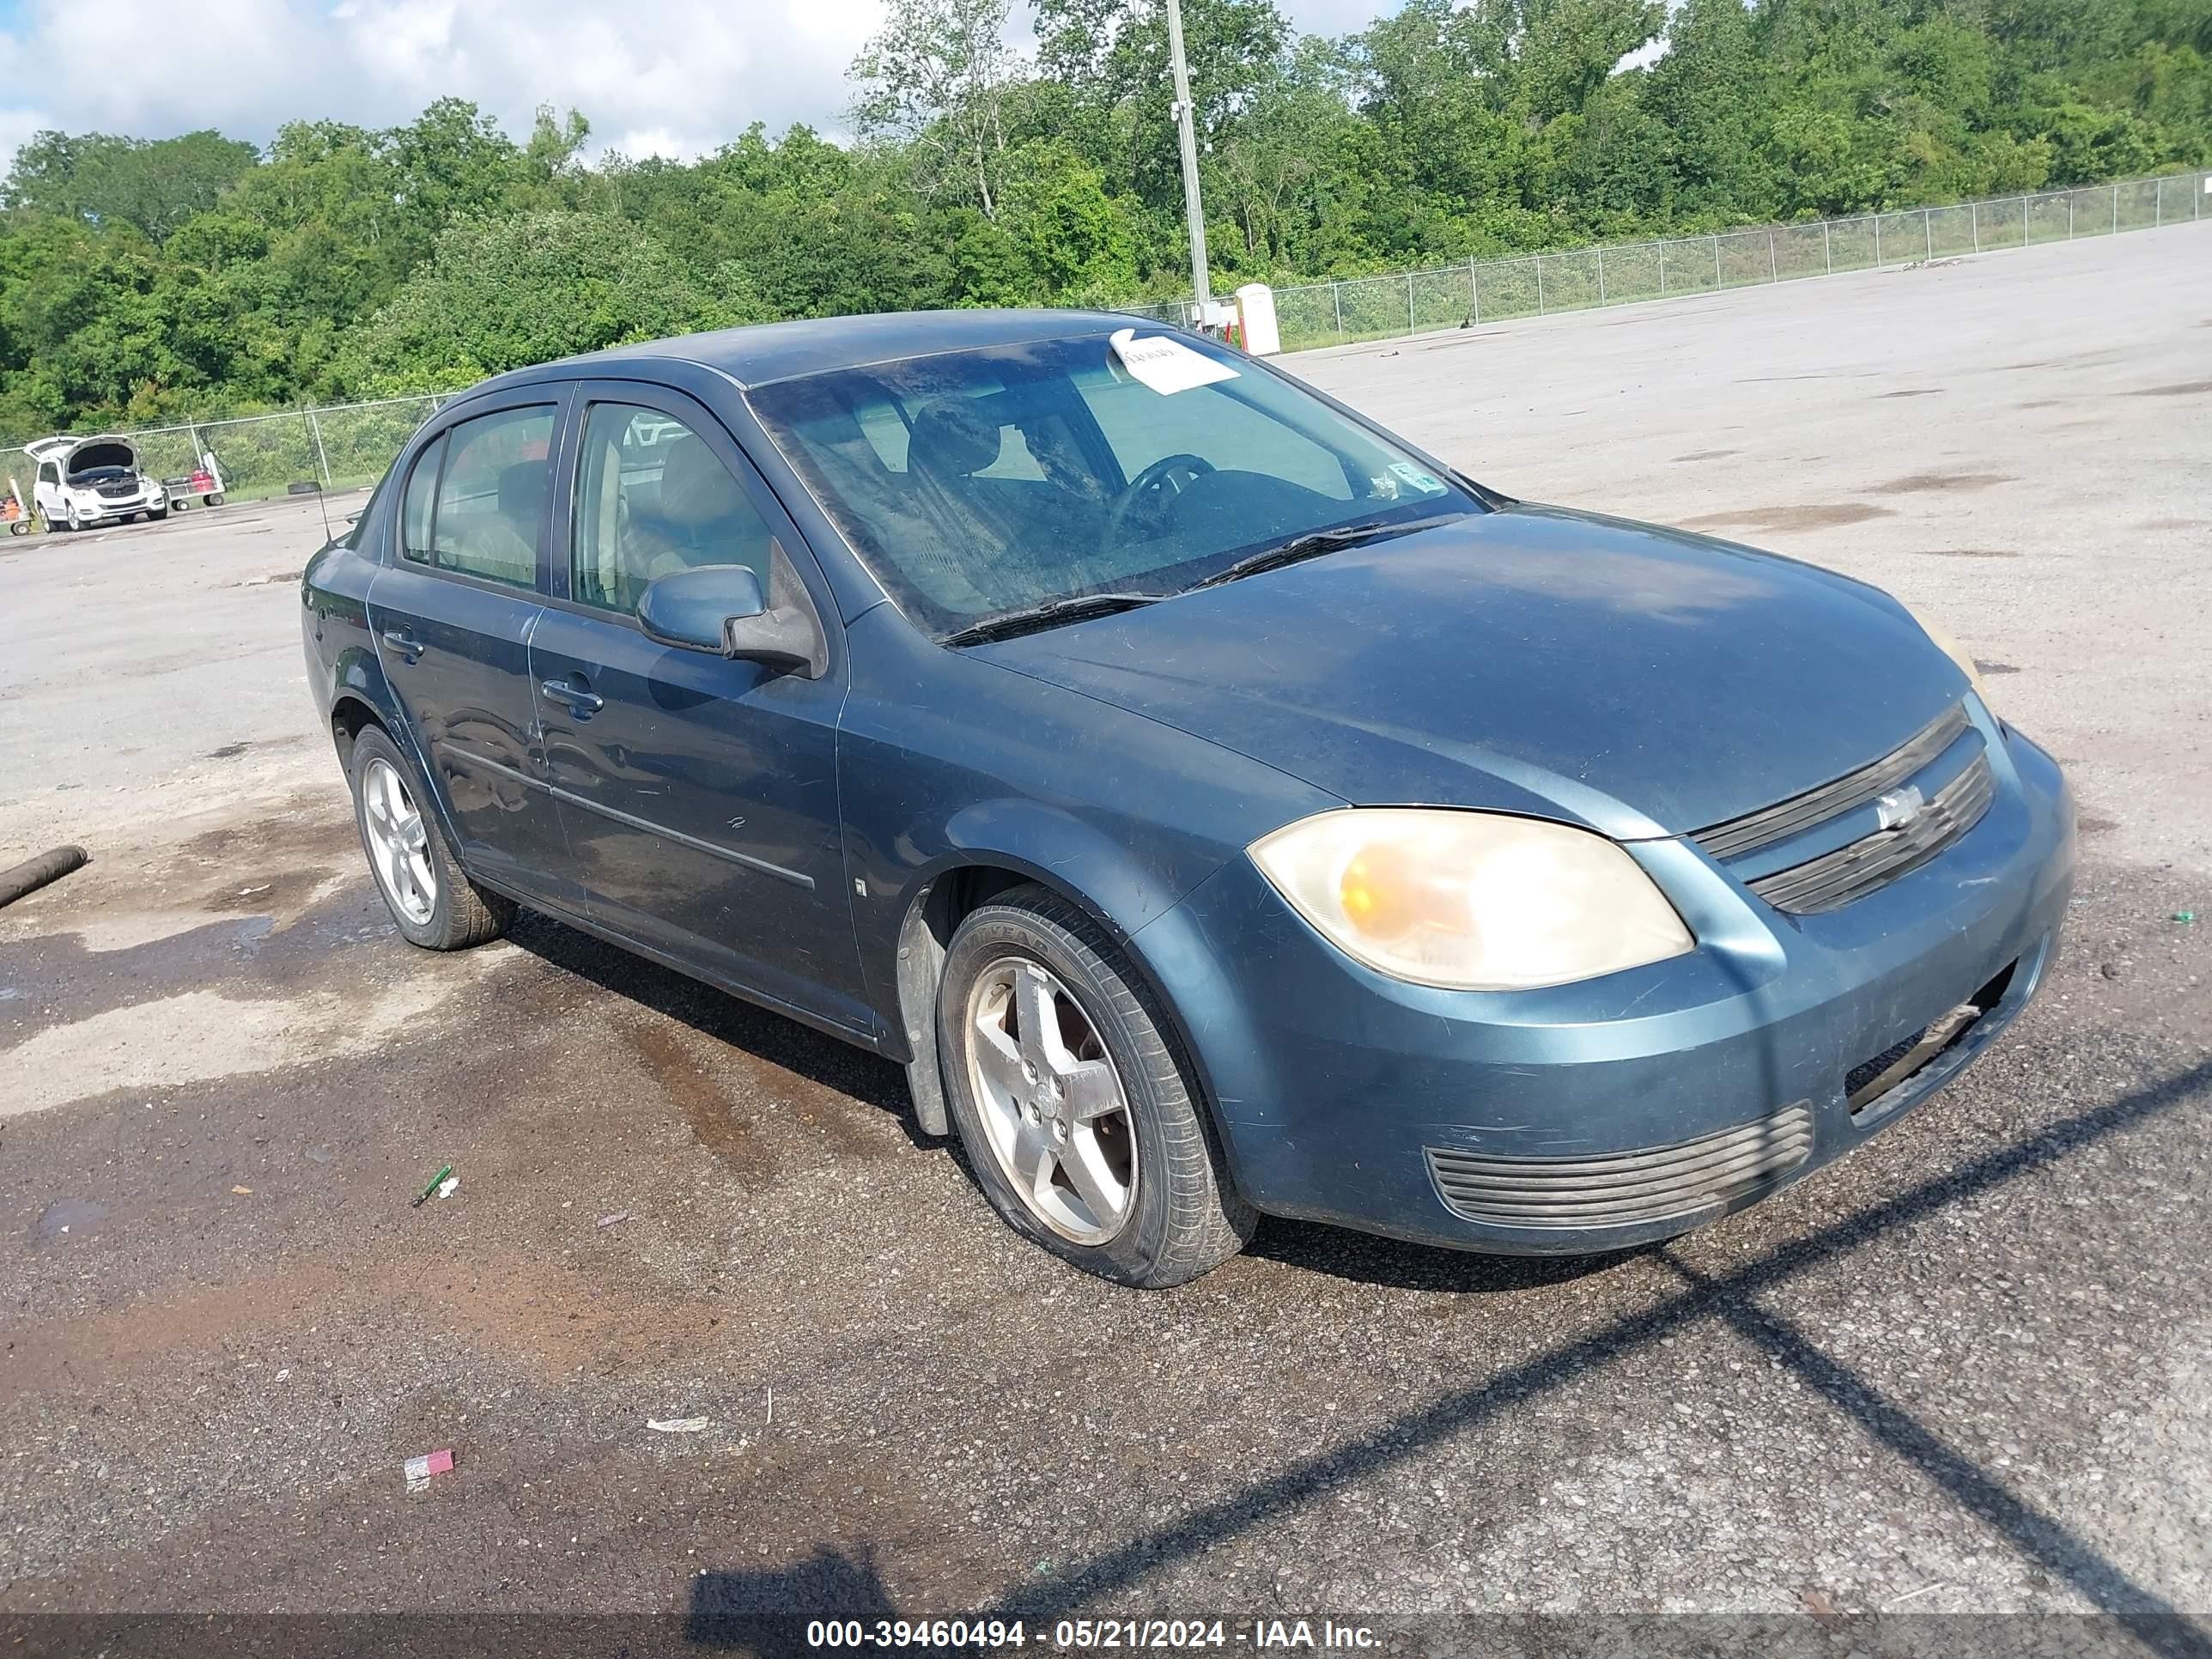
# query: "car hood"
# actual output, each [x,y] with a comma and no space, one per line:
[1642,681]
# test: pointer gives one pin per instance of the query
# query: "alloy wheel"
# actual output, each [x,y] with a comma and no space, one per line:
[1053,1106]
[398,842]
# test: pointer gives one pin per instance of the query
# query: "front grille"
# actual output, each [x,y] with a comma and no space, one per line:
[1622,1189]
[1834,879]
[1749,833]
[117,492]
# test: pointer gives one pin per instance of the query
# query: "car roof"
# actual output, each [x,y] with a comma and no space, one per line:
[780,351]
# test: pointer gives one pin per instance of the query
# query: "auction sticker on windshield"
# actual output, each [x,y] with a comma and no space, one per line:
[1164,365]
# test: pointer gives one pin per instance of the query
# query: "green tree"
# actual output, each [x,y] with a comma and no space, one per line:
[153,184]
[934,77]
[501,293]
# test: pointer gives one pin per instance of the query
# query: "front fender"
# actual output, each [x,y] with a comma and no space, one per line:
[947,764]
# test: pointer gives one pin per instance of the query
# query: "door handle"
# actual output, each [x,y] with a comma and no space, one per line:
[404,642]
[583,702]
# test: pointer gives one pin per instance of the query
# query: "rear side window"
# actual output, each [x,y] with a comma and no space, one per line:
[414,507]
[491,510]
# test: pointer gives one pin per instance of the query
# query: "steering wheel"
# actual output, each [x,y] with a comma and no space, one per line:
[1181,469]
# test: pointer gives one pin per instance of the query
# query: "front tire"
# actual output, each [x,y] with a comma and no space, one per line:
[434,903]
[1080,1119]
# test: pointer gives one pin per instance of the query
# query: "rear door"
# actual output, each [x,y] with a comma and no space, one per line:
[700,794]
[451,614]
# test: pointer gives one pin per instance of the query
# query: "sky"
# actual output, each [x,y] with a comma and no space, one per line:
[667,77]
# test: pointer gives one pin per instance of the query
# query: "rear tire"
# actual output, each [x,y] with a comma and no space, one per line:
[1081,1122]
[430,897]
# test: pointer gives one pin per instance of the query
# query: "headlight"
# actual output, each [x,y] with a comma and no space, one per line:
[1941,638]
[1470,901]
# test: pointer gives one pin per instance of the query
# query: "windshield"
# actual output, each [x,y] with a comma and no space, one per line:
[978,482]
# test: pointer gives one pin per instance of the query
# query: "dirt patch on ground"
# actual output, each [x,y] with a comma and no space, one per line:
[555,1318]
[541,1317]
[1707,455]
[1920,483]
[2185,389]
[1916,391]
[93,1351]
[277,859]
[200,1036]
[1970,553]
[1773,519]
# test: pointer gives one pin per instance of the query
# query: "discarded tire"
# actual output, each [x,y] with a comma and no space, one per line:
[35,873]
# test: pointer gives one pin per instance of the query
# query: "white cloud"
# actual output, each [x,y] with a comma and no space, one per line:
[661,77]
[654,76]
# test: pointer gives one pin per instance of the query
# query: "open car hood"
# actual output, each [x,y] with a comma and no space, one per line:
[82,454]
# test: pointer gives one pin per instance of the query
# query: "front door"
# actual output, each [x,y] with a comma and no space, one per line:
[700,794]
[452,616]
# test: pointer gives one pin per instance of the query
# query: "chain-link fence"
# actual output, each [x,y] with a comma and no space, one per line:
[1537,284]
[341,447]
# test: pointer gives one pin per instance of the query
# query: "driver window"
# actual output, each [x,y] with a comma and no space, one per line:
[652,498]
[1142,426]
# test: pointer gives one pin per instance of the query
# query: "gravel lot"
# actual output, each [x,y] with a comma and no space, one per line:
[1968,1369]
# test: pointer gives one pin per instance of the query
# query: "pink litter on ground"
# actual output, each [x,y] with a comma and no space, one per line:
[420,1469]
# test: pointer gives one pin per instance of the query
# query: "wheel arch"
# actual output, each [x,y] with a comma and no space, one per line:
[361,696]
[961,883]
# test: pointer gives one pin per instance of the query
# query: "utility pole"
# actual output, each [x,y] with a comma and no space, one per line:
[1186,129]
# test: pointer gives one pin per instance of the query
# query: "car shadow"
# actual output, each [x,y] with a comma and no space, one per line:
[766,1613]
[1397,1264]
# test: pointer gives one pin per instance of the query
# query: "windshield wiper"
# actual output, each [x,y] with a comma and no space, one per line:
[1051,614]
[1314,543]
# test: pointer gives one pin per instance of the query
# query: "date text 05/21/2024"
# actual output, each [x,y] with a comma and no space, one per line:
[1088,1634]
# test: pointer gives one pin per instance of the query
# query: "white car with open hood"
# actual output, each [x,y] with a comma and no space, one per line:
[83,482]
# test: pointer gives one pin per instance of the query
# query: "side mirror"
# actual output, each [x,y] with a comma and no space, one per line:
[720,608]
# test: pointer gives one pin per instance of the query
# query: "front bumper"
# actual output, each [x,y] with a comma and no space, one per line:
[1623,1110]
[106,512]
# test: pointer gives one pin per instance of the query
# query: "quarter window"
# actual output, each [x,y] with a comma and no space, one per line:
[652,498]
[491,497]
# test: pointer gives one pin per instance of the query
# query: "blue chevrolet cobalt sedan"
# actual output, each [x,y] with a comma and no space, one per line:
[1217,806]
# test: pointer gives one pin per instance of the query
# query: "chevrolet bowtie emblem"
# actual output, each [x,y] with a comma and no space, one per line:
[1899,807]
